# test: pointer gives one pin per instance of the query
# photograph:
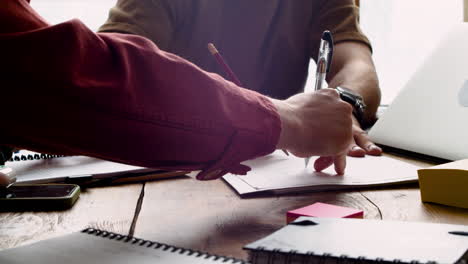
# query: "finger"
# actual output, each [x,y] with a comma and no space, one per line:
[340,164]
[322,163]
[4,180]
[362,140]
[7,177]
[355,151]
[374,150]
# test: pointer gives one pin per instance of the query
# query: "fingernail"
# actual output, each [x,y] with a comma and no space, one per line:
[356,148]
[374,147]
[209,175]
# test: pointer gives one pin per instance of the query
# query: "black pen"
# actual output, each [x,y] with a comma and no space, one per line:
[460,233]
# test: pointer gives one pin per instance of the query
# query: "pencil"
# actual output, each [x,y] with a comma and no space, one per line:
[228,70]
[223,64]
[139,177]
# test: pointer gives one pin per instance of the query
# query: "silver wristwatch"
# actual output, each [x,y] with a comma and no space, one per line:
[355,100]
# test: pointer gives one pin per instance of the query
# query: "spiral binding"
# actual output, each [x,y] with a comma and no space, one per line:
[263,255]
[161,246]
[36,156]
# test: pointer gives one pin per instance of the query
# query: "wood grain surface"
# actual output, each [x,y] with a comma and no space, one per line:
[405,204]
[109,208]
[209,216]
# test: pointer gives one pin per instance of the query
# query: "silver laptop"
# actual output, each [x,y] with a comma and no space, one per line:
[430,115]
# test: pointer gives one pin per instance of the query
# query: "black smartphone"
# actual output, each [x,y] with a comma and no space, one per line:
[38,197]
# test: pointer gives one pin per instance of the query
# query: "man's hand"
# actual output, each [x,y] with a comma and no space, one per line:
[361,144]
[354,69]
[316,124]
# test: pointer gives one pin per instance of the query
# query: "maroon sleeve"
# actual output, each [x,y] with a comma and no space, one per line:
[118,97]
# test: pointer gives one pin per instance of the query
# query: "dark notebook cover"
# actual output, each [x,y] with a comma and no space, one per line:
[96,246]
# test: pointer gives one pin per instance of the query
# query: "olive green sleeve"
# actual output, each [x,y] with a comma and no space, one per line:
[341,17]
[152,19]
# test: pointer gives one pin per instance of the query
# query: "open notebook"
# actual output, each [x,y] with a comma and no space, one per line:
[278,173]
[31,167]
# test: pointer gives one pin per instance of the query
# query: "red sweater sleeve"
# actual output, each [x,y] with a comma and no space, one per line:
[118,97]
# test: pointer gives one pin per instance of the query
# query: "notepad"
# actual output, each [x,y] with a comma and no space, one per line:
[96,246]
[31,167]
[344,240]
[324,210]
[278,174]
[445,184]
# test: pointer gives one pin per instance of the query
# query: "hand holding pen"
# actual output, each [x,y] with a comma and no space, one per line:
[310,118]
[316,124]
[324,60]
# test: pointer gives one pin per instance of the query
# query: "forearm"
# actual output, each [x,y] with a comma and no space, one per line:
[119,97]
[353,68]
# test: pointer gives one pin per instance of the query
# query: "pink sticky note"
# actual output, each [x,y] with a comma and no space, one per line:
[324,210]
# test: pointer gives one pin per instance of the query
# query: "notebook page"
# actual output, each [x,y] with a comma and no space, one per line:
[57,169]
[280,172]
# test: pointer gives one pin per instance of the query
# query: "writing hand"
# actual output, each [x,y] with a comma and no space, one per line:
[317,124]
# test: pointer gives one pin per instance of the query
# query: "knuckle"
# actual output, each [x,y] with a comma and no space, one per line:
[331,92]
[359,133]
[347,107]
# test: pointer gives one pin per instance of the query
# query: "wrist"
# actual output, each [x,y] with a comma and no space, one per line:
[287,124]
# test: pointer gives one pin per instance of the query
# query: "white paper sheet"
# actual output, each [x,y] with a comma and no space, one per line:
[278,173]
[61,168]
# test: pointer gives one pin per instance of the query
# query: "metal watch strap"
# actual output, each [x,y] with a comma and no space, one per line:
[355,101]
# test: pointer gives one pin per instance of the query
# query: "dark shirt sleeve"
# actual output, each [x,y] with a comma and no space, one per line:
[67,90]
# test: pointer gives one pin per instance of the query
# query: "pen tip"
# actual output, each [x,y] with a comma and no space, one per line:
[212,48]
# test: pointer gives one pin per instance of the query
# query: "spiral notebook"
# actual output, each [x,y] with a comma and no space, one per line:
[33,167]
[345,240]
[96,246]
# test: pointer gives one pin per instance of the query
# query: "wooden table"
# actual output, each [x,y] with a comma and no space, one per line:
[208,216]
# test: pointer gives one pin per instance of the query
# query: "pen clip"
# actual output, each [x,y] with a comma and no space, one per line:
[327,36]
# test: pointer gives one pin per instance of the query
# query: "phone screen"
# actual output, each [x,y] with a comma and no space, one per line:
[29,191]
